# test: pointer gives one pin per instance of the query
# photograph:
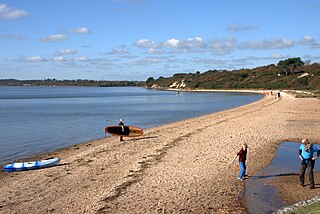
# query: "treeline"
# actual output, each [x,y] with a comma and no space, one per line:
[291,73]
[79,82]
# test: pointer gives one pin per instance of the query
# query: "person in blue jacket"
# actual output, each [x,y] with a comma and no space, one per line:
[306,151]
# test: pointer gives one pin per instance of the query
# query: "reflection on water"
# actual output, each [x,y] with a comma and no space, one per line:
[260,196]
[38,119]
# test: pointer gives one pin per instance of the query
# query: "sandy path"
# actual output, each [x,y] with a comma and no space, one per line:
[183,167]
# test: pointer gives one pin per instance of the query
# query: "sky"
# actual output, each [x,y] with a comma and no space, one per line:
[138,39]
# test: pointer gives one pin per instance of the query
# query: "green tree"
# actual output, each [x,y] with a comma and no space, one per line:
[150,79]
[291,65]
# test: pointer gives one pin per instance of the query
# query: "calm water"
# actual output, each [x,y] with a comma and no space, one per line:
[38,119]
[260,196]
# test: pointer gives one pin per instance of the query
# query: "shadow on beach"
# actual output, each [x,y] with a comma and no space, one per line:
[273,175]
[142,138]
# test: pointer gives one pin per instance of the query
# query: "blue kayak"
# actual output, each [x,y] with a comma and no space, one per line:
[13,167]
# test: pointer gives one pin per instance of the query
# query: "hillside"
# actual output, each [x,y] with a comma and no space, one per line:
[291,74]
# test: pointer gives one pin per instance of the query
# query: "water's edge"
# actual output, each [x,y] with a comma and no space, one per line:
[261,197]
[184,96]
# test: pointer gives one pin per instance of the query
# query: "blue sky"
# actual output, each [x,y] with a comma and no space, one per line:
[137,39]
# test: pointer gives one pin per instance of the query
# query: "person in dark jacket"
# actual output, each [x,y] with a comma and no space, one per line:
[242,154]
[306,151]
[121,123]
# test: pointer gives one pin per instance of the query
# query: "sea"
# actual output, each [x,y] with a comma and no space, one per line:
[34,120]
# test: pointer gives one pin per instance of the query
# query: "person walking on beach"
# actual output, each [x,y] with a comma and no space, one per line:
[306,151]
[242,154]
[121,123]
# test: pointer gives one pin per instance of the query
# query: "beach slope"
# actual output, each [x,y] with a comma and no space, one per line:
[182,167]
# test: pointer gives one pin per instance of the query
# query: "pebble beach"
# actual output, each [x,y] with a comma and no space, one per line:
[181,167]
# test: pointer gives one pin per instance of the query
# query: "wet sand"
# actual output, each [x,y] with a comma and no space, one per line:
[291,192]
[182,167]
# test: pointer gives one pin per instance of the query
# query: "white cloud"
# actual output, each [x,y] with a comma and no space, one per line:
[171,43]
[122,53]
[154,51]
[10,13]
[54,38]
[119,51]
[59,59]
[66,52]
[315,46]
[218,46]
[188,44]
[127,56]
[277,56]
[145,43]
[307,39]
[147,61]
[81,30]
[251,60]
[274,43]
[13,36]
[209,61]
[239,27]
[34,59]
[195,44]
[227,45]
[222,47]
[80,59]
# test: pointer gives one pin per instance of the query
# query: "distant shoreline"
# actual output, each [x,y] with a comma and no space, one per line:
[71,83]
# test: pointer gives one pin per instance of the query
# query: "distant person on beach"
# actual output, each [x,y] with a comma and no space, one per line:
[278,95]
[242,154]
[121,123]
[306,151]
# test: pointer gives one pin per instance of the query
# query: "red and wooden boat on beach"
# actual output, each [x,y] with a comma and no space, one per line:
[127,131]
